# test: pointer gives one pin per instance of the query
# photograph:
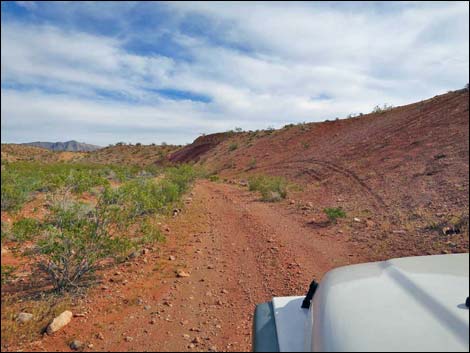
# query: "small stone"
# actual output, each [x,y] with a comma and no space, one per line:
[356,219]
[76,345]
[99,336]
[181,273]
[60,321]
[128,339]
[147,307]
[172,258]
[153,321]
[24,317]
[196,340]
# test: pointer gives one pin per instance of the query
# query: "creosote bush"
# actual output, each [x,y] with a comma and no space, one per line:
[76,237]
[334,213]
[272,188]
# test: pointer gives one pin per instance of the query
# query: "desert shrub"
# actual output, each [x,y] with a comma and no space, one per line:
[383,109]
[25,229]
[7,273]
[305,145]
[214,177]
[232,147]
[150,233]
[76,238]
[252,164]
[146,196]
[334,213]
[15,190]
[6,231]
[271,188]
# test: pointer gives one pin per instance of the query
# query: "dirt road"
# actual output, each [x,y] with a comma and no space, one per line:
[237,251]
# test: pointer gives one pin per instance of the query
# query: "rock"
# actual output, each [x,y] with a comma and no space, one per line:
[99,336]
[147,307]
[134,255]
[24,317]
[196,340]
[76,345]
[172,258]
[224,291]
[153,321]
[60,321]
[181,273]
[145,251]
[370,223]
[210,267]
[128,339]
[356,219]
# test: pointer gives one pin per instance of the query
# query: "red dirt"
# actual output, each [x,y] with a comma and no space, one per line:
[238,251]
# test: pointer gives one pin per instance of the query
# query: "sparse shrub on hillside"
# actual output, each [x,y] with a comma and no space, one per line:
[305,145]
[383,109]
[214,178]
[232,147]
[252,164]
[334,213]
[272,188]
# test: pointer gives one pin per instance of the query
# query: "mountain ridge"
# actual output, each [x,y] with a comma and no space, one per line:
[68,146]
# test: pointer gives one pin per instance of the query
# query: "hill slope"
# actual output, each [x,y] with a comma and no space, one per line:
[404,170]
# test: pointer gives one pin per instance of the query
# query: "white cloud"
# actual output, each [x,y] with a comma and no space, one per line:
[293,53]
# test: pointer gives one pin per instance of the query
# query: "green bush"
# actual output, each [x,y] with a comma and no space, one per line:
[150,233]
[25,229]
[75,239]
[232,147]
[271,188]
[334,213]
[6,231]
[214,178]
[7,273]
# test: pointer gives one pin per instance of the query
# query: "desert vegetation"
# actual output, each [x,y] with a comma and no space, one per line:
[86,216]
[271,188]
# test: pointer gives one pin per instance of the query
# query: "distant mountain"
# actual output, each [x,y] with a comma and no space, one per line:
[71,146]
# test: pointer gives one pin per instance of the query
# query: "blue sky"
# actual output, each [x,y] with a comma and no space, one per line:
[103,72]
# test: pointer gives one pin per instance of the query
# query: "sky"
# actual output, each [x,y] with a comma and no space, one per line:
[153,72]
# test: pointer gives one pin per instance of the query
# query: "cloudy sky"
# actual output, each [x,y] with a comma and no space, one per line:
[103,72]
